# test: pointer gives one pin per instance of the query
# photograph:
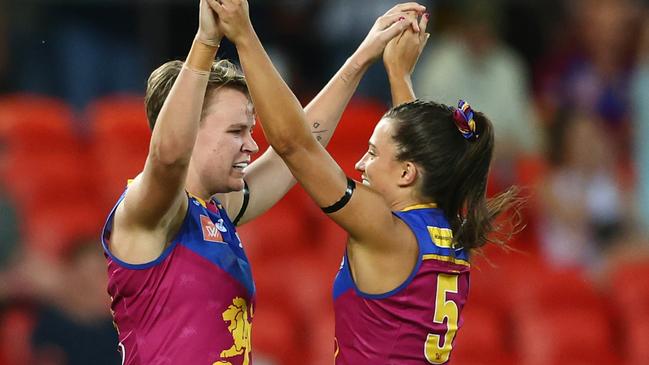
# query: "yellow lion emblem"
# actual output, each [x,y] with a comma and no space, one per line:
[240,328]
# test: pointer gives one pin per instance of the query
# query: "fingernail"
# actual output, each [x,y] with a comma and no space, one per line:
[427,15]
[401,18]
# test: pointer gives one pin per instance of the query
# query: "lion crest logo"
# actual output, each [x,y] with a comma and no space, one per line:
[240,328]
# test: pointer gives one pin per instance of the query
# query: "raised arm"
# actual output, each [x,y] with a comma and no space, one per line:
[155,202]
[400,58]
[367,217]
[268,178]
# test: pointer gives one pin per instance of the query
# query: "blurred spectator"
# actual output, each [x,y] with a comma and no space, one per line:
[64,49]
[590,69]
[342,27]
[471,63]
[9,232]
[640,129]
[75,328]
[4,47]
[583,208]
[288,34]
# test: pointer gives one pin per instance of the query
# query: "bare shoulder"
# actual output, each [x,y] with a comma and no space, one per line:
[379,267]
[137,244]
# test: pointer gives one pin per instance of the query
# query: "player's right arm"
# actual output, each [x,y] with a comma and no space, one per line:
[155,202]
[400,57]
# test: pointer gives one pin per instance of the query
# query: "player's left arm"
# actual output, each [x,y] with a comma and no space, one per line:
[268,178]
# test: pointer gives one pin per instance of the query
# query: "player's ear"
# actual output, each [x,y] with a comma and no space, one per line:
[409,174]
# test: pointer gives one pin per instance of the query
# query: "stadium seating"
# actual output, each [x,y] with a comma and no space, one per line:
[15,330]
[120,143]
[572,336]
[520,311]
[631,288]
[483,336]
[36,124]
[637,337]
[46,170]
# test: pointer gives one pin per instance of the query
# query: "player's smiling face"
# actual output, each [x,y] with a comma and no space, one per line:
[224,144]
[379,167]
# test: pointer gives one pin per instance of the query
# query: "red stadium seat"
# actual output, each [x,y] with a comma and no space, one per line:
[637,337]
[300,285]
[576,336]
[121,119]
[356,126]
[530,170]
[497,275]
[556,291]
[49,178]
[630,293]
[359,119]
[120,143]
[631,288]
[52,228]
[15,331]
[320,342]
[36,124]
[481,338]
[275,335]
[288,227]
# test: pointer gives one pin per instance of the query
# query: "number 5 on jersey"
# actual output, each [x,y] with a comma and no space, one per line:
[435,351]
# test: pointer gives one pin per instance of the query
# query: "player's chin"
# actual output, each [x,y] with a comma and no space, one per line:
[236,183]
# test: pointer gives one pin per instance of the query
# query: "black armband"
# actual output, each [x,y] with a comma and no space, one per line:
[246,199]
[351,185]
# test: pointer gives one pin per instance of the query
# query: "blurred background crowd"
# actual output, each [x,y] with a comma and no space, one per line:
[565,82]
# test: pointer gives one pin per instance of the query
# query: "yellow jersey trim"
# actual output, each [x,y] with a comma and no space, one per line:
[452,260]
[419,206]
[201,201]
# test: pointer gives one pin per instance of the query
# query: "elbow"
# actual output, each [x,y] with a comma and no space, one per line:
[294,136]
[284,146]
[168,155]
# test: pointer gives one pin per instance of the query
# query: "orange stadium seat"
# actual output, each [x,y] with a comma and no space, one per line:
[52,228]
[121,119]
[48,178]
[36,124]
[120,143]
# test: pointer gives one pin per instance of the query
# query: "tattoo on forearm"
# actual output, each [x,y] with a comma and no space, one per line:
[318,133]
